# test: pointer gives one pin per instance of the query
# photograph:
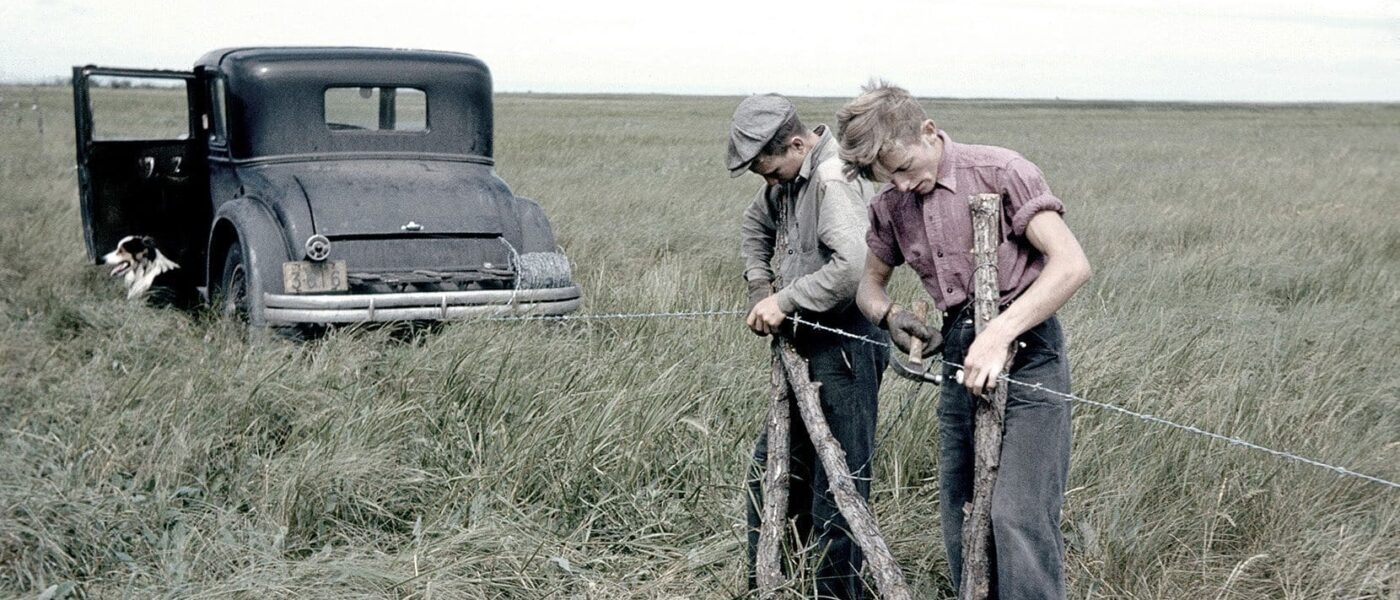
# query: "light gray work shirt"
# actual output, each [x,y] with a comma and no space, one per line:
[826,223]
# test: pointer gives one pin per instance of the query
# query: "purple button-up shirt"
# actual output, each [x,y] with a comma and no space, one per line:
[933,232]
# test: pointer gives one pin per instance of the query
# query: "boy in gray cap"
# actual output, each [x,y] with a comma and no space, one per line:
[814,220]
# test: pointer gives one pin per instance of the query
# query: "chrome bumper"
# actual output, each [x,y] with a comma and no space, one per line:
[418,306]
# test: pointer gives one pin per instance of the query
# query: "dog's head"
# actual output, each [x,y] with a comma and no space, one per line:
[131,252]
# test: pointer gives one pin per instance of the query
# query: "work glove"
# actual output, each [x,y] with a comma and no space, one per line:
[904,327]
[758,290]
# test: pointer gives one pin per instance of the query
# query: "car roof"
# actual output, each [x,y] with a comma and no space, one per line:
[224,57]
[276,98]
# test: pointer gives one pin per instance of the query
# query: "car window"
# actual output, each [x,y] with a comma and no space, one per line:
[218,130]
[369,108]
[138,108]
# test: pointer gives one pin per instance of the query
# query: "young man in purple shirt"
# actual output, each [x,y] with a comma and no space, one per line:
[922,217]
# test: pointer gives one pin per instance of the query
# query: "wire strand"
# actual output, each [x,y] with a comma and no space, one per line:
[1234,441]
[1142,416]
[617,316]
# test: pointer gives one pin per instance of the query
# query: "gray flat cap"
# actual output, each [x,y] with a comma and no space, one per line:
[755,121]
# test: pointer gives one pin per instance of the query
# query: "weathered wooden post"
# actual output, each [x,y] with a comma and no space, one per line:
[991,408]
[797,383]
[767,565]
[888,578]
[768,570]
[38,111]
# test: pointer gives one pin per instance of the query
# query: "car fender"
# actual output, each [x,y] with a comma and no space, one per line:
[256,228]
[535,231]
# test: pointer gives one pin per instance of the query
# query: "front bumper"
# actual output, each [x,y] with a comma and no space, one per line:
[418,306]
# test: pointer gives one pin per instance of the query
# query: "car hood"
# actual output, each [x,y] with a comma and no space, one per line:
[350,198]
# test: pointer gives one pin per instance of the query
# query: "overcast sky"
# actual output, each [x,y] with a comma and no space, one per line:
[1235,50]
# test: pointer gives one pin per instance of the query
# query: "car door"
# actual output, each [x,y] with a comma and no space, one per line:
[142,164]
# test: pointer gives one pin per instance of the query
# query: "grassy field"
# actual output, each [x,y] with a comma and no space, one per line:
[1247,281]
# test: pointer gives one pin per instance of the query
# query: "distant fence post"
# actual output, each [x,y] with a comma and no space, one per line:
[991,408]
[38,111]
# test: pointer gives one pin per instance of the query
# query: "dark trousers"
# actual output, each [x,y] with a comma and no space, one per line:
[850,372]
[1027,547]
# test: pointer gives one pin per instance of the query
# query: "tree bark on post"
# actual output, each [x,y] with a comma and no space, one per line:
[767,566]
[991,408]
[888,578]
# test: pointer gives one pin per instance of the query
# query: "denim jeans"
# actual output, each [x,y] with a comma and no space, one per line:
[1027,546]
[850,372]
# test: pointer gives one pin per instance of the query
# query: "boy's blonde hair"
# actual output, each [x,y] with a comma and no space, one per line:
[882,114]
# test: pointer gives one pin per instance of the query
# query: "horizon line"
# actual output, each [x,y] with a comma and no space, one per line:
[59,82]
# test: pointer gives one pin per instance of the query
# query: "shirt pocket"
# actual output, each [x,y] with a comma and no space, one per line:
[810,260]
[804,230]
[914,246]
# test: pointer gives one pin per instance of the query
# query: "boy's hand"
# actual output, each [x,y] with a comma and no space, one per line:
[904,327]
[758,290]
[765,317]
[984,362]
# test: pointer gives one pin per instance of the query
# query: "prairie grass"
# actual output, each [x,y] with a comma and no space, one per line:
[1247,265]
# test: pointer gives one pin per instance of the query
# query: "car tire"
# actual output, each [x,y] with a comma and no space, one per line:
[236,300]
[543,270]
[233,296]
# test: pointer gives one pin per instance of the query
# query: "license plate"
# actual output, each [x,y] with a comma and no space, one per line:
[306,277]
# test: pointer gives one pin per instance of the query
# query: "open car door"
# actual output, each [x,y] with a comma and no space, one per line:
[142,163]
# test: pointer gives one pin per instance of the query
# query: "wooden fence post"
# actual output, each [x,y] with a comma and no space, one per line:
[888,578]
[767,565]
[38,111]
[991,408]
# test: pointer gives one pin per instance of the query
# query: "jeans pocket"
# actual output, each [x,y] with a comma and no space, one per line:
[1046,335]
[1044,348]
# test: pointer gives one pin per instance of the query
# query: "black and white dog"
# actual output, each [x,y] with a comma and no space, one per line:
[149,274]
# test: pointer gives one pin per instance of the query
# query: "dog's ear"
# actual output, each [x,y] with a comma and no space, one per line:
[143,248]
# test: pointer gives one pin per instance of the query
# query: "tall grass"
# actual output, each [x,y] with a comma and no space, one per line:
[1248,281]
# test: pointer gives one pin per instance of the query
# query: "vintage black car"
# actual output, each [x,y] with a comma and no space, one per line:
[323,185]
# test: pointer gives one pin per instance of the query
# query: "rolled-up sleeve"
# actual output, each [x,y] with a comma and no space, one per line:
[880,237]
[840,223]
[1027,194]
[758,231]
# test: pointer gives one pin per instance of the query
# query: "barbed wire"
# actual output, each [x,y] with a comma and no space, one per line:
[1234,441]
[617,316]
[1143,416]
